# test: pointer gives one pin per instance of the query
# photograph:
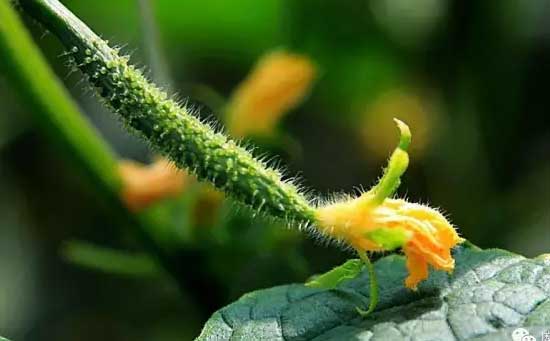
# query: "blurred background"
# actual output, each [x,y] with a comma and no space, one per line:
[468,77]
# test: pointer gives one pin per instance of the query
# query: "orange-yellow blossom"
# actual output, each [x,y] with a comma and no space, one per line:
[376,222]
[429,236]
[277,83]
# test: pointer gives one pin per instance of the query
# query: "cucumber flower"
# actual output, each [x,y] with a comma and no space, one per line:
[375,222]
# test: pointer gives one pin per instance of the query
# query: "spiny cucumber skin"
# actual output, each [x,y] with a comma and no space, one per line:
[190,144]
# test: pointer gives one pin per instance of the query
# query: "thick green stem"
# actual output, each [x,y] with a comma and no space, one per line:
[170,128]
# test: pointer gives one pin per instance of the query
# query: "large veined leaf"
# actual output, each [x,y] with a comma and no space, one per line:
[490,294]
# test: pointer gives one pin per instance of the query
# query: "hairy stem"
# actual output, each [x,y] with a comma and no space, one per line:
[170,128]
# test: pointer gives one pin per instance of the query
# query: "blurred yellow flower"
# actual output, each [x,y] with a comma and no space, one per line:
[278,82]
[144,185]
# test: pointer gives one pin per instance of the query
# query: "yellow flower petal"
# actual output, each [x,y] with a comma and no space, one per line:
[417,267]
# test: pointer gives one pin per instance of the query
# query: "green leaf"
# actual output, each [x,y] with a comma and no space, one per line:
[331,279]
[490,293]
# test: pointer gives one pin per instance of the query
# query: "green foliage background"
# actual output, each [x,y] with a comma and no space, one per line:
[478,68]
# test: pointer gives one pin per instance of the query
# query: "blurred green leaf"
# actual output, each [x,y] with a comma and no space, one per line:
[491,293]
[331,279]
[110,260]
